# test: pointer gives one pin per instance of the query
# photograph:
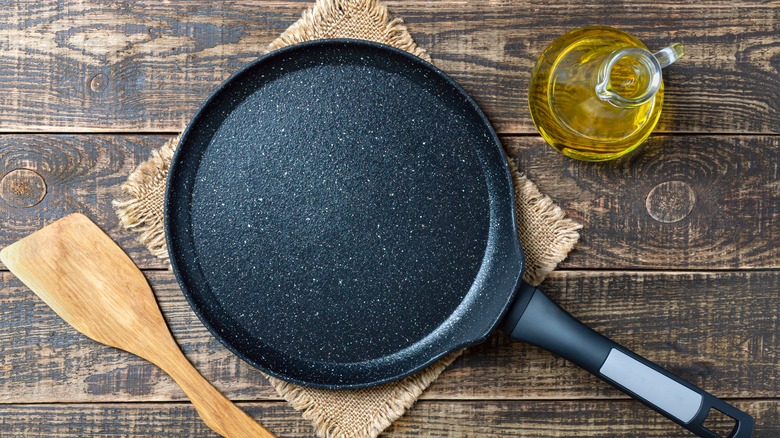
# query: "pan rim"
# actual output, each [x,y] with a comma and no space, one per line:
[169,223]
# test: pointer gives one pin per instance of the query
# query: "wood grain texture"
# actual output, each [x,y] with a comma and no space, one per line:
[80,173]
[86,278]
[732,223]
[717,330]
[543,419]
[557,419]
[147,65]
[725,201]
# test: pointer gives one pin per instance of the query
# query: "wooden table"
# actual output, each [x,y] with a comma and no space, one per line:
[679,252]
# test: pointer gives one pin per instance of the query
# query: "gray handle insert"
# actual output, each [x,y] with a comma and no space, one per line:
[665,393]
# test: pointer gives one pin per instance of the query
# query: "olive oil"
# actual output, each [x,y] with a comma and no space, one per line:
[596,93]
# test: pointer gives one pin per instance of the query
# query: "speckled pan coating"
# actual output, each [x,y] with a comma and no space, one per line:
[340,214]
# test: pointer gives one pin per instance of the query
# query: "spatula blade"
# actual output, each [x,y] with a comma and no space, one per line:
[86,278]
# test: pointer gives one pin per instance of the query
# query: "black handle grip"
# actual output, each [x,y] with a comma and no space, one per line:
[536,319]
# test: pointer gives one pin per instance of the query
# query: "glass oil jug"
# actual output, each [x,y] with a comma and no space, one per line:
[596,92]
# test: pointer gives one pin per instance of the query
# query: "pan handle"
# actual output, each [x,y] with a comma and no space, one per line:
[536,319]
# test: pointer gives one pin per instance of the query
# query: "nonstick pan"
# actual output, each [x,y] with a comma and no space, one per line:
[340,214]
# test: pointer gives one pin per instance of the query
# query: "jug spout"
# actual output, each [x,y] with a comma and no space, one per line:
[668,55]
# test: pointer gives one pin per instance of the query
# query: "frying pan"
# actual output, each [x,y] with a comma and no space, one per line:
[340,214]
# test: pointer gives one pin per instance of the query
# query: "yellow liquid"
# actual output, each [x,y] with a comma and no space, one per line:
[566,109]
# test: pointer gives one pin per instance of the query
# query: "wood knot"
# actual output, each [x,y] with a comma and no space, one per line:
[22,188]
[98,83]
[670,201]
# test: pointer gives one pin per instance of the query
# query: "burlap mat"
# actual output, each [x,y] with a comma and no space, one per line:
[546,235]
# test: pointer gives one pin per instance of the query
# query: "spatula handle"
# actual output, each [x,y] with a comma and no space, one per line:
[216,410]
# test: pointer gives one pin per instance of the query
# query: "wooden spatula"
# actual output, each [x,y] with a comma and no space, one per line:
[94,286]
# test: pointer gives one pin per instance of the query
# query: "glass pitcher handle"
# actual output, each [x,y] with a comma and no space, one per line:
[668,55]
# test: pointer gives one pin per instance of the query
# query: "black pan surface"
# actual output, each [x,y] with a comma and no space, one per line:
[340,214]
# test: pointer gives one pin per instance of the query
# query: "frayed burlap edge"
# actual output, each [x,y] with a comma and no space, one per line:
[536,212]
[405,394]
[142,212]
[336,19]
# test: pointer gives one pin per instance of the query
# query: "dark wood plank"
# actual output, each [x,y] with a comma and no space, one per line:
[718,330]
[147,65]
[729,184]
[558,419]
[45,177]
[427,418]
[124,420]
[679,202]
